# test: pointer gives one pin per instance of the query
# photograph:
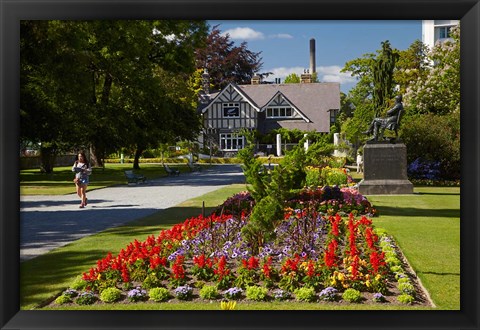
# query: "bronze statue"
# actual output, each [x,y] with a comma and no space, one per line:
[391,122]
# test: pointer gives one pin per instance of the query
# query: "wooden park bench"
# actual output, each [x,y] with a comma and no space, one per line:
[134,178]
[171,171]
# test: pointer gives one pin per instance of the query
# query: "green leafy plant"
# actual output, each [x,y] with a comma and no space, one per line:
[78,283]
[63,299]
[406,299]
[151,281]
[256,293]
[352,295]
[110,295]
[86,298]
[407,288]
[159,294]
[305,294]
[209,292]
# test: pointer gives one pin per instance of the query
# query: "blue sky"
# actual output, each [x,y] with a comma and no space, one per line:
[285,45]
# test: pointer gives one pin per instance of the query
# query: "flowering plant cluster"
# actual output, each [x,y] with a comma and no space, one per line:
[310,249]
[332,200]
[424,169]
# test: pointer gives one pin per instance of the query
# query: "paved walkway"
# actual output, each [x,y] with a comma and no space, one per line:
[48,222]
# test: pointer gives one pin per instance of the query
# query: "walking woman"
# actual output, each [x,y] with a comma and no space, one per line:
[82,170]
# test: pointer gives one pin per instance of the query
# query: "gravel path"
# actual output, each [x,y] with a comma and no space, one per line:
[48,222]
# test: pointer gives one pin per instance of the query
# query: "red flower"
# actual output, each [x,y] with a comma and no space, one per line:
[330,254]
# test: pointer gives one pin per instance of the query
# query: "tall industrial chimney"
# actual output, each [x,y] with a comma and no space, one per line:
[312,56]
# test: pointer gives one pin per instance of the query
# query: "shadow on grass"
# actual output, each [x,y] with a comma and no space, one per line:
[45,276]
[439,274]
[417,212]
[439,193]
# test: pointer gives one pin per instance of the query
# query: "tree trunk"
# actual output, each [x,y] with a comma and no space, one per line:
[96,156]
[47,157]
[138,153]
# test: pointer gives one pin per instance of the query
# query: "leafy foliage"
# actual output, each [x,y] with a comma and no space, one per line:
[226,62]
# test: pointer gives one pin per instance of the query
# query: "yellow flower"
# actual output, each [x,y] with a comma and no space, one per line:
[368,284]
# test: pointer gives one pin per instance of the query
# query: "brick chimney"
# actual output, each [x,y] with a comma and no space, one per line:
[256,79]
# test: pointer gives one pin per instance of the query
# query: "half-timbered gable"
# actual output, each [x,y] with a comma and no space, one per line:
[279,107]
[230,110]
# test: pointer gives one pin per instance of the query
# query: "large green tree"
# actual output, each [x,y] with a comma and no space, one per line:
[97,83]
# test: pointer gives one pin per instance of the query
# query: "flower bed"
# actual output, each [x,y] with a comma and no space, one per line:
[314,257]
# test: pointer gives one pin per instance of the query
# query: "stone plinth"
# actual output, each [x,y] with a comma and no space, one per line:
[385,169]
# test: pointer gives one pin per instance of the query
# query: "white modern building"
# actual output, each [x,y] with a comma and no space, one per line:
[434,31]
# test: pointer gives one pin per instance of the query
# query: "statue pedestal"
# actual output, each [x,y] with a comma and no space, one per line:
[385,169]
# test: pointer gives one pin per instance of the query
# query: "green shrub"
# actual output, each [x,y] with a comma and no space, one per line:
[396,269]
[78,283]
[256,293]
[434,138]
[151,281]
[406,299]
[352,295]
[403,280]
[63,299]
[209,292]
[406,287]
[159,294]
[305,294]
[393,261]
[86,298]
[110,295]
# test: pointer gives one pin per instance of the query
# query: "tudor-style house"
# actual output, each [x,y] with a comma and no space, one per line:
[306,106]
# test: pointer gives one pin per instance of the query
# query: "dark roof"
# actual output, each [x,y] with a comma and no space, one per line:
[314,100]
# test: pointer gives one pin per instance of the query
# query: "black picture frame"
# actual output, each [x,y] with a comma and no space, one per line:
[12,11]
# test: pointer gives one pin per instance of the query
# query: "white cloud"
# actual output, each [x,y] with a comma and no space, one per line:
[281,36]
[325,74]
[332,74]
[244,33]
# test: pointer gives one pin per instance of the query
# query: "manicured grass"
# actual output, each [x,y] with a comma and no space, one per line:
[426,225]
[60,182]
[43,277]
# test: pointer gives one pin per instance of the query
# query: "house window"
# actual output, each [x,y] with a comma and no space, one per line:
[231,142]
[333,116]
[279,112]
[444,32]
[231,110]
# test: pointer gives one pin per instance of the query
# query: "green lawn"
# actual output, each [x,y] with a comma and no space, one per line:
[426,226]
[60,182]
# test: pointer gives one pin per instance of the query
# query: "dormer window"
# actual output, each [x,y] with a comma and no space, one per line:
[231,110]
[279,112]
